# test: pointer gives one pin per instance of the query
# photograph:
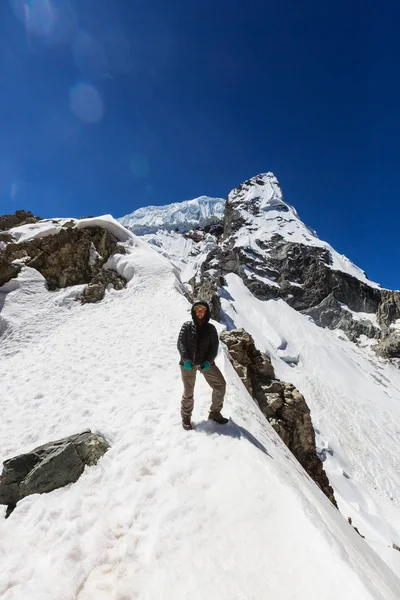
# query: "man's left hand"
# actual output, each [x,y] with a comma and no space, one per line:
[205,366]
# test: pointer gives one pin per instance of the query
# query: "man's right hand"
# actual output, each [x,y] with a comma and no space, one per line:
[188,365]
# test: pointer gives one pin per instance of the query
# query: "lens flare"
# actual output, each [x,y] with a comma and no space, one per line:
[53,19]
[38,16]
[86,103]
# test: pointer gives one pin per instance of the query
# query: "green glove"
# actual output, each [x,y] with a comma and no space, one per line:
[188,365]
[205,366]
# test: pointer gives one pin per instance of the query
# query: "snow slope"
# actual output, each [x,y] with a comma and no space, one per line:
[354,397]
[220,513]
[184,215]
[185,253]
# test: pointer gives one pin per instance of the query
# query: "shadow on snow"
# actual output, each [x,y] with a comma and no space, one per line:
[232,430]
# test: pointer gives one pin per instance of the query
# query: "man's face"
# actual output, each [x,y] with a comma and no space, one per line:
[200,311]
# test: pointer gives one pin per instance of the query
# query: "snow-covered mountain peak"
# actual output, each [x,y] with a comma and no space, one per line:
[185,215]
[260,204]
[263,190]
[256,215]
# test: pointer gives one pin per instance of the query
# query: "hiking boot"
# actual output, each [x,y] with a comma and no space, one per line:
[218,418]
[186,424]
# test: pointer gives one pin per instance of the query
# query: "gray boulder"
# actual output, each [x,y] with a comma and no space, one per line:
[49,467]
[104,279]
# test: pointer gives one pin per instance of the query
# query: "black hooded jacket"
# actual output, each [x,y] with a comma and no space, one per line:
[197,341]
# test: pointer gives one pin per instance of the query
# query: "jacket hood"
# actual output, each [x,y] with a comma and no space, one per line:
[206,316]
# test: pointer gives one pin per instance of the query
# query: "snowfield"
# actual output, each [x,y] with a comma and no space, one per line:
[224,513]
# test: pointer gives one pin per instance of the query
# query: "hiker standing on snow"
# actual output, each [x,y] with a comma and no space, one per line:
[198,346]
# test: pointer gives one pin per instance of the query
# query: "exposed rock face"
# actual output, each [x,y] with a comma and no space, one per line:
[329,313]
[309,267]
[20,217]
[389,347]
[283,405]
[104,279]
[71,257]
[389,309]
[49,467]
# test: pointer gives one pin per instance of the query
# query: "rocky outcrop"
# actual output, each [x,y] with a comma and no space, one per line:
[20,217]
[388,310]
[103,280]
[330,313]
[71,257]
[281,403]
[49,467]
[310,268]
[389,346]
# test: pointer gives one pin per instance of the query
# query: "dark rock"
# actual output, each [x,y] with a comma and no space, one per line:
[254,369]
[71,257]
[104,279]
[49,467]
[56,468]
[329,313]
[355,528]
[389,347]
[215,229]
[196,236]
[8,269]
[280,402]
[233,219]
[5,238]
[93,293]
[20,217]
[389,309]
[310,267]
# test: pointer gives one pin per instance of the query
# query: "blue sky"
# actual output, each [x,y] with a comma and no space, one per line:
[109,105]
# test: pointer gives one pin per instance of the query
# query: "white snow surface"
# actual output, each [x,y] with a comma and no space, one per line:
[48,227]
[224,513]
[354,397]
[185,253]
[185,215]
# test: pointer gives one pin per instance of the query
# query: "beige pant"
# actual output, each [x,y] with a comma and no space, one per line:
[215,380]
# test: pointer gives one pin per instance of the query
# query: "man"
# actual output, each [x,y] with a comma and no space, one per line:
[198,346]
